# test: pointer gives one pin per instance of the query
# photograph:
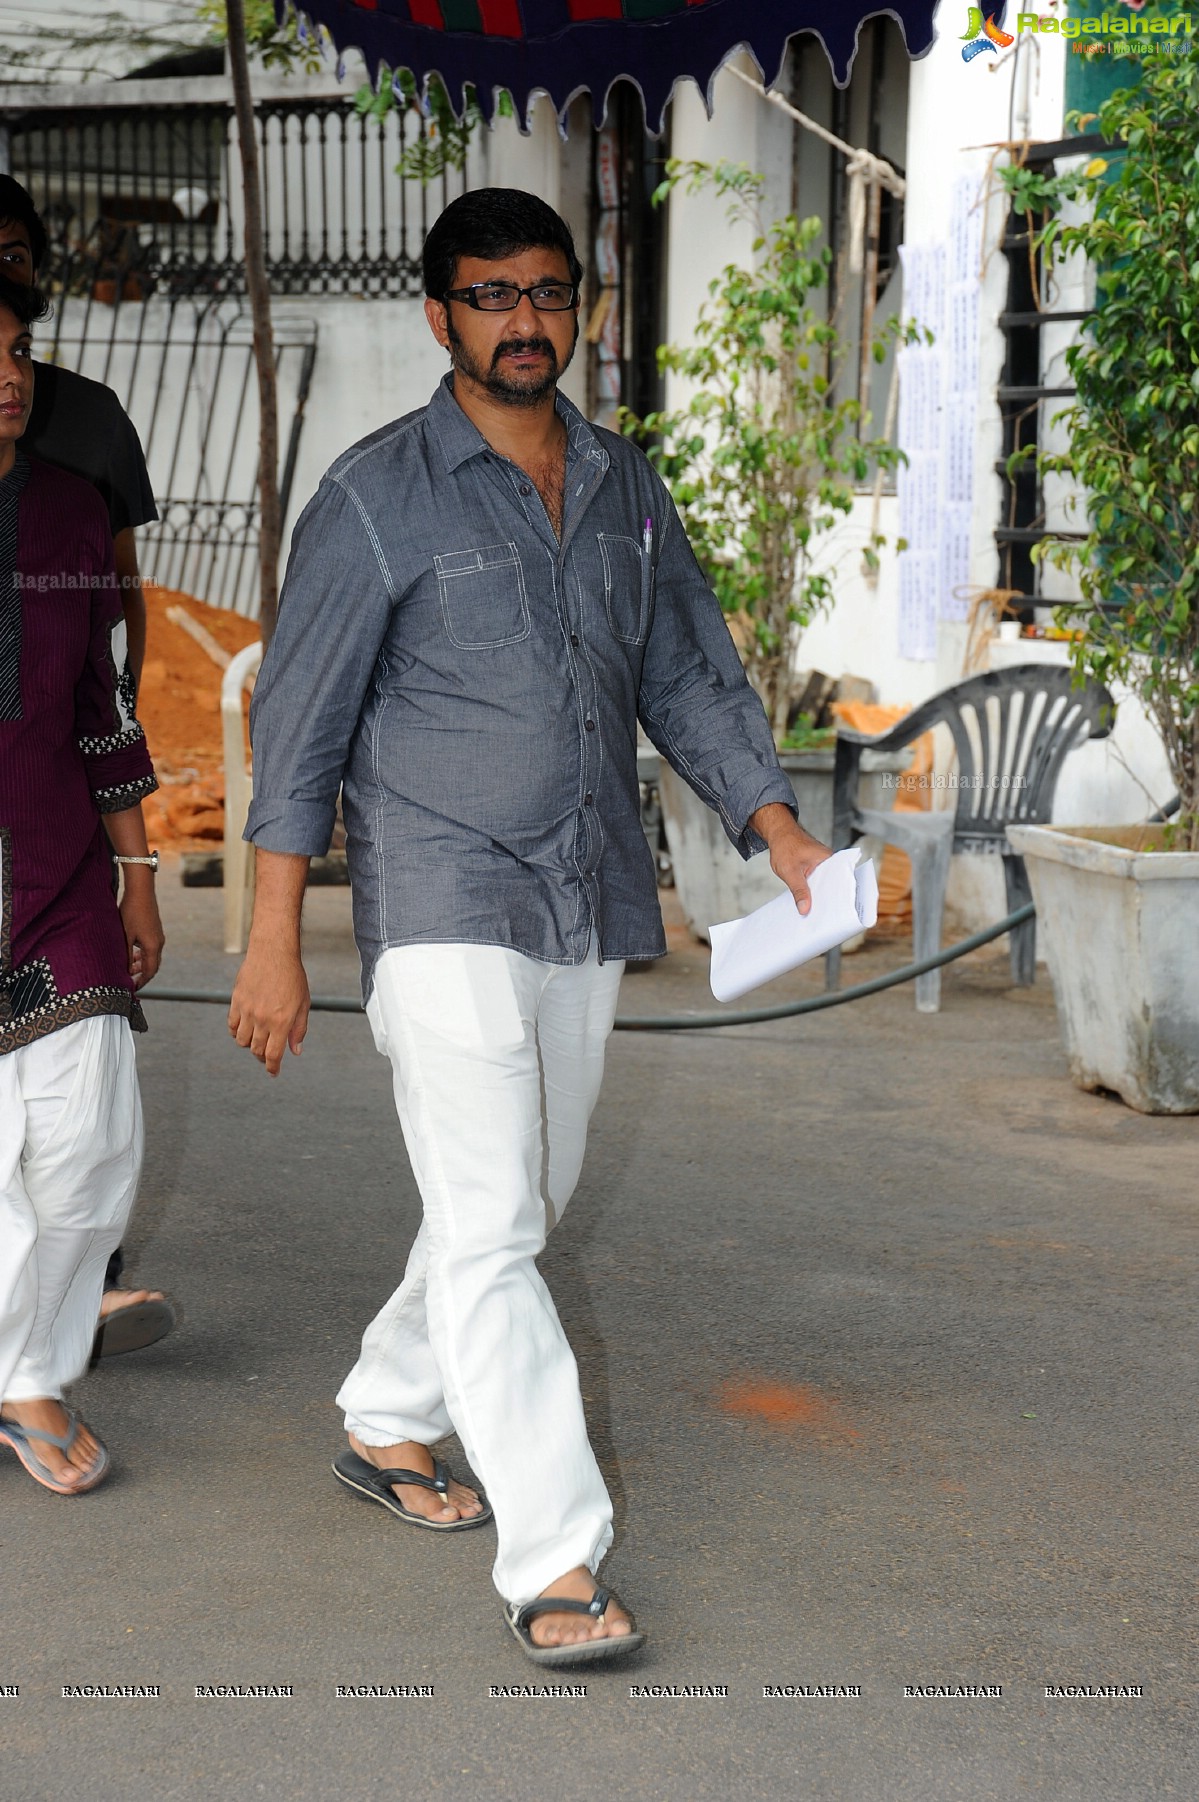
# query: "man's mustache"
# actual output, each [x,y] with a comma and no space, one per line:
[518,345]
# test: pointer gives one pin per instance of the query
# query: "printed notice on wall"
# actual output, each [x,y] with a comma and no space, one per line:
[938,417]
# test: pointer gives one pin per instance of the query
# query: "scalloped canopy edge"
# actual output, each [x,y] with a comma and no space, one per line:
[653,55]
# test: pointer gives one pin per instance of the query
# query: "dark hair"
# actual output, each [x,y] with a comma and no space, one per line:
[493,223]
[29,304]
[16,208]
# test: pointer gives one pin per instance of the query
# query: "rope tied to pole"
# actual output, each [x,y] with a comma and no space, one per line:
[863,163]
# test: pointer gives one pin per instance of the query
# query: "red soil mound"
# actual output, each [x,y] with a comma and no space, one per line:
[179,706]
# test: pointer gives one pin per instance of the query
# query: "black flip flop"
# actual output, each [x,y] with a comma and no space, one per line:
[375,1485]
[132,1327]
[585,1651]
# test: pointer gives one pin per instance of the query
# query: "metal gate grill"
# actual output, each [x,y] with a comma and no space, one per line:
[183,368]
[143,212]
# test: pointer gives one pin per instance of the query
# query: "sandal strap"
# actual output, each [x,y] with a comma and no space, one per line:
[63,1441]
[439,1481]
[562,1605]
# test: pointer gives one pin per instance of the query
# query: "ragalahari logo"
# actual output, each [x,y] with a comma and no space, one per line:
[984,33]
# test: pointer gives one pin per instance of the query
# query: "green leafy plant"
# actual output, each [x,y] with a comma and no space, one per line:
[280,43]
[763,459]
[1132,452]
[446,139]
[804,735]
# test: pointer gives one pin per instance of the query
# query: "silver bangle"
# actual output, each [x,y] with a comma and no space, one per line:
[152,860]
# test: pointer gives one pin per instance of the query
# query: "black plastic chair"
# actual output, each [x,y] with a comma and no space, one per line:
[1012,730]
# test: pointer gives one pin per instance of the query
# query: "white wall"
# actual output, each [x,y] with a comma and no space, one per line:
[701,239]
[859,637]
[971,109]
[39,33]
[376,360]
[961,113]
[952,107]
[959,116]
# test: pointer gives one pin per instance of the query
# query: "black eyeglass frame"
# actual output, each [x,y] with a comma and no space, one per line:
[470,296]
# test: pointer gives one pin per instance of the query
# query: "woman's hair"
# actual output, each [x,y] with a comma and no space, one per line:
[29,304]
[16,208]
[493,223]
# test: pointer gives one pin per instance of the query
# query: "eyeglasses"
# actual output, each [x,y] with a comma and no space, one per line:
[505,297]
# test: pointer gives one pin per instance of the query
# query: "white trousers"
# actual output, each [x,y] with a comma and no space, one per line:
[497,1062]
[70,1158]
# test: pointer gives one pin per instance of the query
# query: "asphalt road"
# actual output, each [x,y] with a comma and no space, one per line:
[887,1339]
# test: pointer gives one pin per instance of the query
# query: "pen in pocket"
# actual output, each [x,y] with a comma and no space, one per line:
[649,537]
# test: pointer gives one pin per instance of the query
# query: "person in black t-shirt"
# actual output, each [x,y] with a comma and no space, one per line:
[81,426]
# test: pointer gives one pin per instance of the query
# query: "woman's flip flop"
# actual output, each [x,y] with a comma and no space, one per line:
[17,1438]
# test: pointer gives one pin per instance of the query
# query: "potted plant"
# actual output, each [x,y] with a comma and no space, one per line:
[1119,907]
[763,460]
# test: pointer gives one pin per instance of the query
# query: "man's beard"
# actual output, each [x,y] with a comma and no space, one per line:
[523,388]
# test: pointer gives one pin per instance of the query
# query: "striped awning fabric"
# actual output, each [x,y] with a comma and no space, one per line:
[567,47]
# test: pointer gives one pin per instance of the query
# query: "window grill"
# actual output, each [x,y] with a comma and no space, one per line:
[1022,395]
[626,298]
[147,200]
[872,112]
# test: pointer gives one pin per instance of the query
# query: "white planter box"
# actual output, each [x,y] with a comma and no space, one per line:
[1120,927]
[713,881]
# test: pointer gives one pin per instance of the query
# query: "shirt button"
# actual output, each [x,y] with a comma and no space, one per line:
[574,639]
[589,799]
[525,489]
[590,725]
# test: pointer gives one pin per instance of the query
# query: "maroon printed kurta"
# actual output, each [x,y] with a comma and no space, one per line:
[71,750]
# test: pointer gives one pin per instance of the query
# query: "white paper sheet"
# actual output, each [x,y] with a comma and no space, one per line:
[776,938]
[953,573]
[924,276]
[918,572]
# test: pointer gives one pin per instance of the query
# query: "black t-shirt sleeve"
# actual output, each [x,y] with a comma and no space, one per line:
[129,495]
[81,426]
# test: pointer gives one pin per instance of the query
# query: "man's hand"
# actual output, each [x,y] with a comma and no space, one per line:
[269,1011]
[794,853]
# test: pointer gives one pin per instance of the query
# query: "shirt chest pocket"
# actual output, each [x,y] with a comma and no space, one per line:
[483,600]
[628,587]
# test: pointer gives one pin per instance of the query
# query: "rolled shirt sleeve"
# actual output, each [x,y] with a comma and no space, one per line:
[334,612]
[696,702]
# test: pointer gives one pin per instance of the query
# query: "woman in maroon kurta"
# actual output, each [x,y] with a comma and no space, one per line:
[71,756]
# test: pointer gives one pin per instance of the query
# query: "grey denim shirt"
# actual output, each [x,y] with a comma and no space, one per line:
[474,686]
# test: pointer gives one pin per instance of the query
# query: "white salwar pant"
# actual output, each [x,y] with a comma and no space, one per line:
[70,1158]
[497,1062]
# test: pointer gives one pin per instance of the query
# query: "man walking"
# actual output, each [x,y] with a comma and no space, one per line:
[483,598]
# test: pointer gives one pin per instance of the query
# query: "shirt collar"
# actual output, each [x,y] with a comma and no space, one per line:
[460,439]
